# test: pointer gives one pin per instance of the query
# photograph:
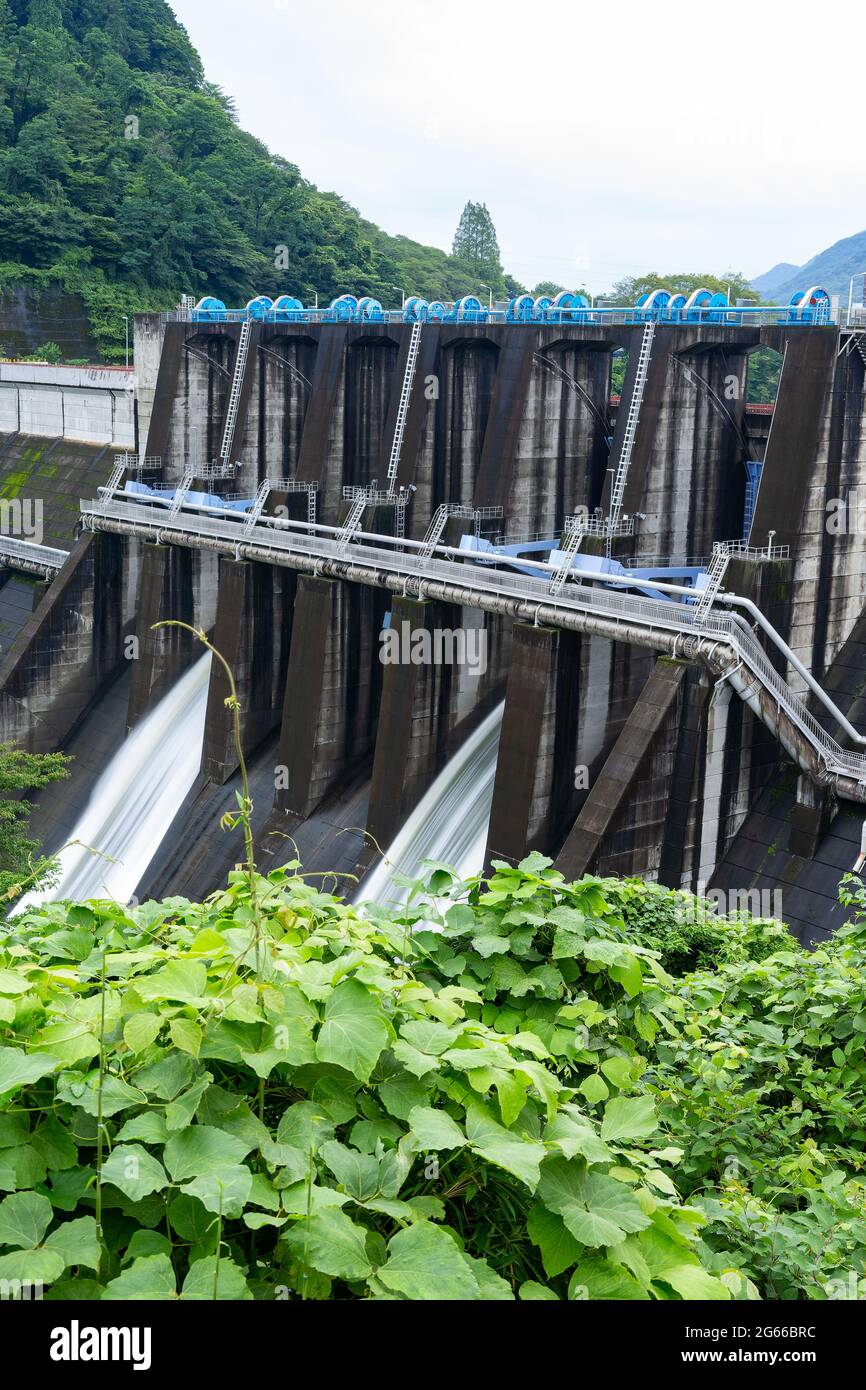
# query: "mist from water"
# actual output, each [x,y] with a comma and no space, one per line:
[450,822]
[135,799]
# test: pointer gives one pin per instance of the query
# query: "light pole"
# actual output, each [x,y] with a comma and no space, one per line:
[489,294]
[126,335]
[402,296]
[851,292]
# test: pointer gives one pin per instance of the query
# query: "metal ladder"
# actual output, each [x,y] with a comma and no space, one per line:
[353,521]
[574,532]
[258,506]
[180,493]
[434,532]
[403,404]
[235,393]
[117,473]
[719,562]
[860,345]
[628,438]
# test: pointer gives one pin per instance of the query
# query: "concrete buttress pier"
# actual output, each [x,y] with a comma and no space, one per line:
[332,690]
[252,632]
[534,784]
[165,591]
[413,719]
[67,650]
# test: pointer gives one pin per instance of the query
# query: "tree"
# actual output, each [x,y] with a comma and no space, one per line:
[548,287]
[629,290]
[476,245]
[19,854]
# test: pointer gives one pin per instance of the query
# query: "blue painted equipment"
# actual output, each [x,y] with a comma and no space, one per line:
[661,306]
[469,310]
[814,306]
[287,309]
[370,310]
[260,307]
[209,310]
[520,309]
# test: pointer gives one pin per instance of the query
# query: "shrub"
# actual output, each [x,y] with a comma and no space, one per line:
[268,1095]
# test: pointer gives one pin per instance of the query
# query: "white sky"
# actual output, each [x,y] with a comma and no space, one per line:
[606,140]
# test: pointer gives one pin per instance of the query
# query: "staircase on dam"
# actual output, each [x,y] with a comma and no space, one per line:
[233,404]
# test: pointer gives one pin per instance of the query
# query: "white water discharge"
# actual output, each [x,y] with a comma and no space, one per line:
[135,799]
[450,822]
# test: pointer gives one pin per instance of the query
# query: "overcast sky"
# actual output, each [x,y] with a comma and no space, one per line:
[606,139]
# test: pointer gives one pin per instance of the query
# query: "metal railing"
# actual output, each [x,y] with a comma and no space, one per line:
[737,316]
[30,557]
[280,541]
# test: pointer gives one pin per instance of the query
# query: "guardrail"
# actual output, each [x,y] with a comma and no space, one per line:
[277,539]
[31,557]
[734,316]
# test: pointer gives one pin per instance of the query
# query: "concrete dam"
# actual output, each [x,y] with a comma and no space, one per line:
[454,578]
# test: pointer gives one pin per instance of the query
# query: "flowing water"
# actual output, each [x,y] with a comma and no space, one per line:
[450,822]
[135,799]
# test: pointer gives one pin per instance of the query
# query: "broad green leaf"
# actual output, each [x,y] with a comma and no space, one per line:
[77,1241]
[419,1063]
[354,1031]
[83,1091]
[629,1118]
[135,1171]
[141,1030]
[511,1093]
[594,1088]
[54,1144]
[598,1278]
[19,1068]
[356,1172]
[24,1219]
[596,1209]
[32,1266]
[305,1126]
[13,984]
[225,1190]
[27,1165]
[191,1220]
[149,1127]
[530,1292]
[149,1279]
[184,980]
[180,1111]
[677,1266]
[211,1279]
[425,1263]
[330,1242]
[425,1035]
[401,1093]
[501,1146]
[434,1129]
[145,1243]
[574,1137]
[618,1070]
[186,1035]
[200,1150]
[69,1042]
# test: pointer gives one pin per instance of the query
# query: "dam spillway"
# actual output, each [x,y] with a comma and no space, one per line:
[622,750]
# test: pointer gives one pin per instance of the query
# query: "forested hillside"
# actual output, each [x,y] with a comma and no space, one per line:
[125,177]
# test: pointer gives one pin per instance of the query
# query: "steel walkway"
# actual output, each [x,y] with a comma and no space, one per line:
[600,603]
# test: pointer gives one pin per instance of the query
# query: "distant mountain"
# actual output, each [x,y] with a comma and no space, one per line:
[832,269]
[780,273]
